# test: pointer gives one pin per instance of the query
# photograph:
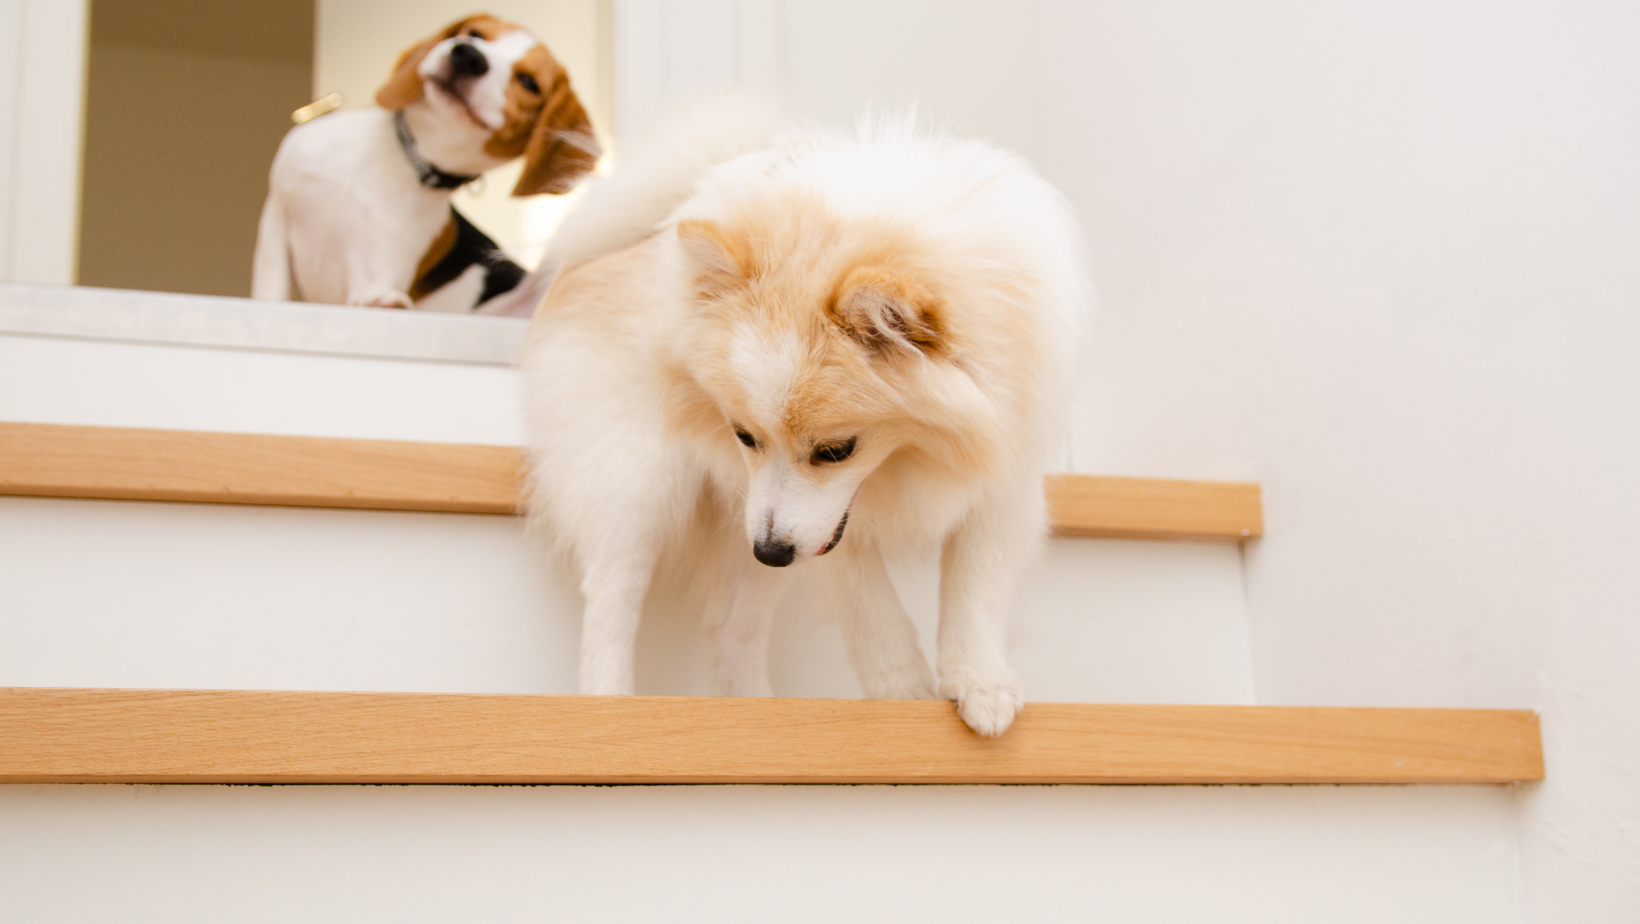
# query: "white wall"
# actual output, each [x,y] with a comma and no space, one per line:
[965,65]
[1382,257]
[1379,257]
[671,53]
[969,66]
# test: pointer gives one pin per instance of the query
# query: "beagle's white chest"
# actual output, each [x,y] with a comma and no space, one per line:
[359,219]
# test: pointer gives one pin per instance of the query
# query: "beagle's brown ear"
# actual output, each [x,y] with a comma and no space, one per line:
[404,85]
[562,147]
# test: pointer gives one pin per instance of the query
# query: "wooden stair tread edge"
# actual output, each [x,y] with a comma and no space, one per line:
[121,463]
[218,736]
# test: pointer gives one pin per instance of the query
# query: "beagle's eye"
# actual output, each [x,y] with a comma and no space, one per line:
[746,439]
[527,82]
[474,33]
[833,452]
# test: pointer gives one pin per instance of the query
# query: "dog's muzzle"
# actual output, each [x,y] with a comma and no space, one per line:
[778,553]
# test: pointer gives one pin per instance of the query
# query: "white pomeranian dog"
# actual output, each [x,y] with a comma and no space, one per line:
[772,349]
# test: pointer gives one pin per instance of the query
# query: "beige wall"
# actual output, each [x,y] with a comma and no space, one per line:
[186,104]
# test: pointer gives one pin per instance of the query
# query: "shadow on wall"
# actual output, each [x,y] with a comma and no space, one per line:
[186,102]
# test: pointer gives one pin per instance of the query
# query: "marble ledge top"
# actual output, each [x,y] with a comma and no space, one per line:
[78,312]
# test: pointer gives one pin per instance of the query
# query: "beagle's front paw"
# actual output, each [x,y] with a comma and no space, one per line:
[381,299]
[987,701]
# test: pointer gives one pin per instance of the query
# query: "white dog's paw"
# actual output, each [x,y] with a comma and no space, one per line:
[987,702]
[382,299]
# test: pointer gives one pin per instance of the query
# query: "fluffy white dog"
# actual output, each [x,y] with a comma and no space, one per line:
[807,348]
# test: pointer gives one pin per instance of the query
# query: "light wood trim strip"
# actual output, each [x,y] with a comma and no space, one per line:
[1153,508]
[52,460]
[118,463]
[175,736]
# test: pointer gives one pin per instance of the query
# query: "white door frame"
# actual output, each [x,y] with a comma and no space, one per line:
[667,51]
[42,117]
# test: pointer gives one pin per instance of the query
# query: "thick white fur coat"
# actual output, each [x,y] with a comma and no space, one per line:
[807,348]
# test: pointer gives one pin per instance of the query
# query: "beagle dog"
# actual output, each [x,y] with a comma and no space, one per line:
[358,209]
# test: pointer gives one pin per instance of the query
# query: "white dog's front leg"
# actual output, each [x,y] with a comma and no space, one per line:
[739,615]
[881,638]
[979,574]
[609,625]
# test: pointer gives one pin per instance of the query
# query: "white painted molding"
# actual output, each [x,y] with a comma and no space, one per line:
[78,313]
[11,39]
[45,111]
[669,51]
[637,45]
[757,45]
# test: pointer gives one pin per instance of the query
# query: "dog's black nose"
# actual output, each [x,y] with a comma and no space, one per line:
[467,61]
[774,553]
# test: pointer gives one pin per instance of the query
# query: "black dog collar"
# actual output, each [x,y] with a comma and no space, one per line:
[431,176]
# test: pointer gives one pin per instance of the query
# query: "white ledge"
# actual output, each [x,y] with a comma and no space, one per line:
[76,312]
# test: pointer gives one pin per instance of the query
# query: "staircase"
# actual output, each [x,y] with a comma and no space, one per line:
[215,495]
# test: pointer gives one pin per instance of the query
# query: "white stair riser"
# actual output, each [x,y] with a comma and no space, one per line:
[756,854]
[114,593]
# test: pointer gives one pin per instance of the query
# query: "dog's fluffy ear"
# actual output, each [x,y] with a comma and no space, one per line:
[716,259]
[404,85]
[888,312]
[562,147]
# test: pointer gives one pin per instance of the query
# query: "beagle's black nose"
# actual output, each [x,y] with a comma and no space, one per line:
[467,61]
[776,553]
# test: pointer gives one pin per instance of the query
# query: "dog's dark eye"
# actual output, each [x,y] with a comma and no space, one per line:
[474,33]
[528,82]
[833,452]
[746,439]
